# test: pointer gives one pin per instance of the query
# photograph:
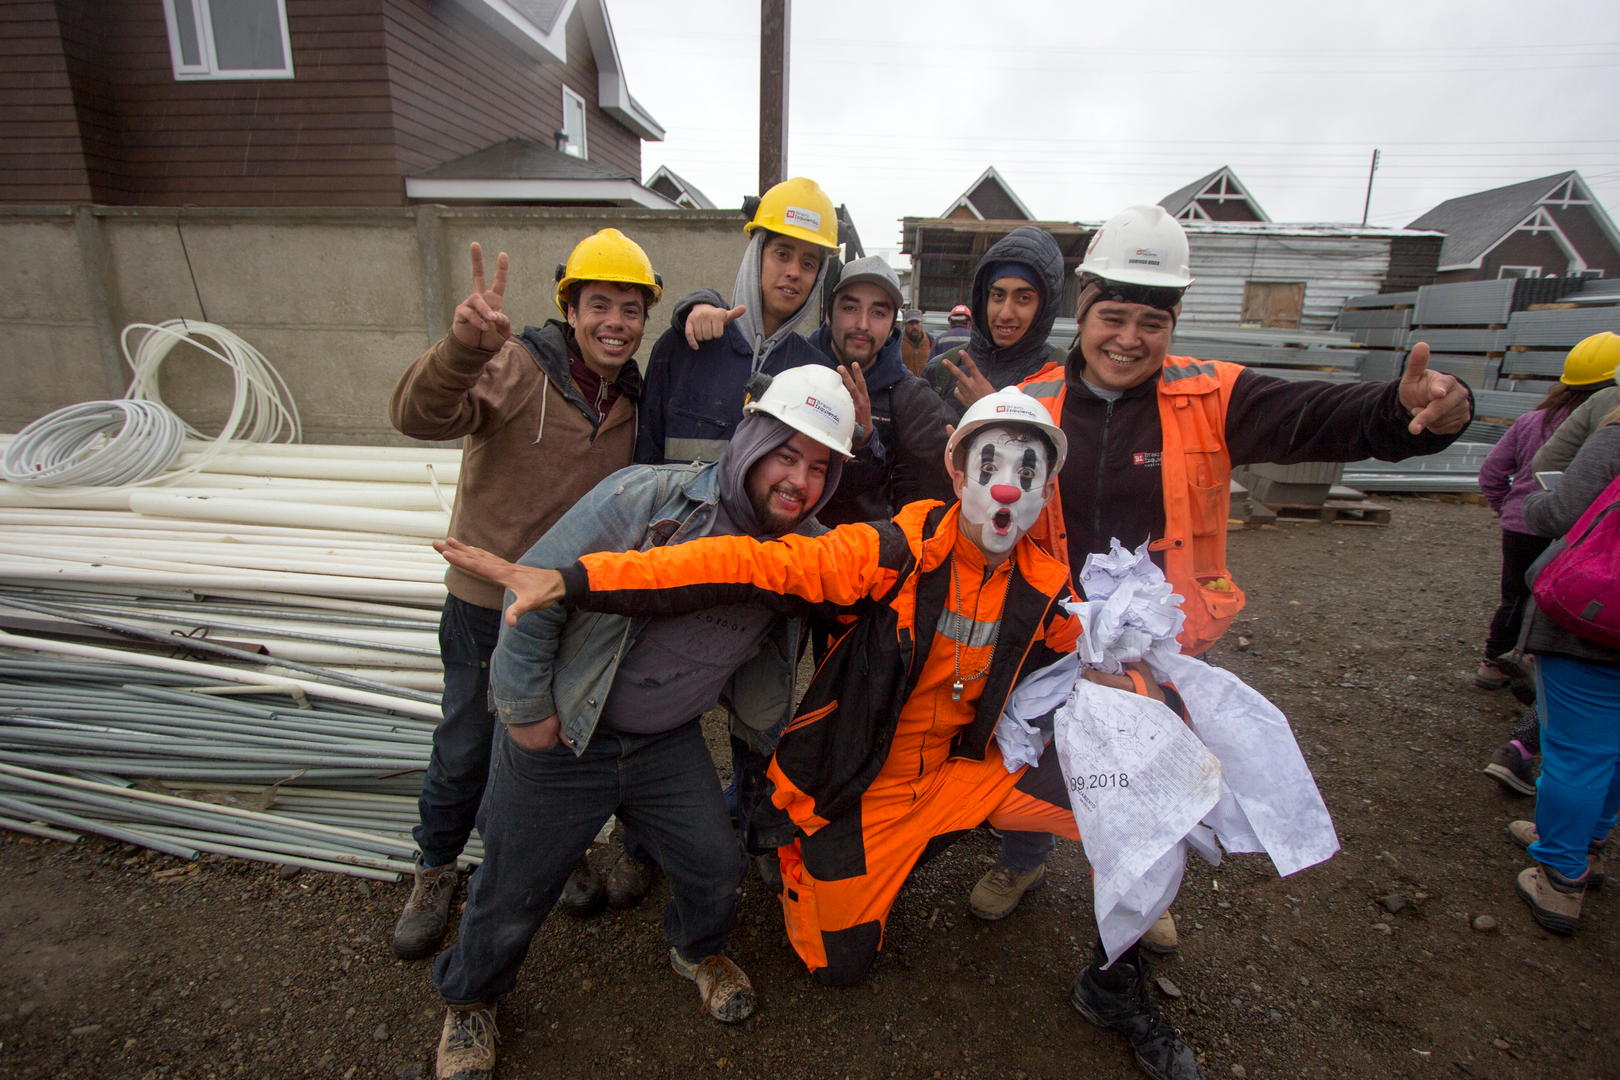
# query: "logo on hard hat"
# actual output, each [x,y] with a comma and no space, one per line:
[1146,257]
[825,410]
[805,219]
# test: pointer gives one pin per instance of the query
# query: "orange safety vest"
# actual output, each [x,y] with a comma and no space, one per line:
[1195,473]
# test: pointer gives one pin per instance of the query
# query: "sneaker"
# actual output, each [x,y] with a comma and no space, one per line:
[467,1044]
[1132,1012]
[1555,900]
[583,894]
[1524,834]
[999,891]
[1161,937]
[629,881]
[422,924]
[727,994]
[1490,676]
[1512,769]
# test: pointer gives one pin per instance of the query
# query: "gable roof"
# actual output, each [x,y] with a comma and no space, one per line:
[1222,184]
[1474,224]
[989,198]
[540,29]
[521,170]
[671,185]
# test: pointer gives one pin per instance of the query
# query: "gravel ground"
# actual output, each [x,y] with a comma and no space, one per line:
[1405,955]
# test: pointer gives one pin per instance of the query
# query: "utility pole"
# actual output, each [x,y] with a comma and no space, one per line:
[774,17]
[1368,204]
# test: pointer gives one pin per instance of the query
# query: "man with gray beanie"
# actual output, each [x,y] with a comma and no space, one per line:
[600,714]
[900,451]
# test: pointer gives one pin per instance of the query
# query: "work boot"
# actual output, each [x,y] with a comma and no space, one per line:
[421,925]
[1512,769]
[629,881]
[1161,937]
[1130,1011]
[1524,834]
[1490,676]
[467,1044]
[583,894]
[1000,889]
[1555,900]
[727,994]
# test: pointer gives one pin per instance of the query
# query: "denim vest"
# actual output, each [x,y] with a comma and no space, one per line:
[563,662]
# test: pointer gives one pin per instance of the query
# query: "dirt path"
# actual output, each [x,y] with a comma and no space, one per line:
[1364,636]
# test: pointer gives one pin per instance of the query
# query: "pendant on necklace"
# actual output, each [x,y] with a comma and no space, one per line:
[956,690]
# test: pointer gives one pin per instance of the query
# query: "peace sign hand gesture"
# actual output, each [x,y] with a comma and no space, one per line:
[479,322]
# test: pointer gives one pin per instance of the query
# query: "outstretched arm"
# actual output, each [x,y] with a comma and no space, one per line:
[535,588]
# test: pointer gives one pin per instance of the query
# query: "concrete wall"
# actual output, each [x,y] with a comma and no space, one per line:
[339,301]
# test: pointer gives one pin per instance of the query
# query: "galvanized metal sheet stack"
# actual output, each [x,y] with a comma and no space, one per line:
[1505,338]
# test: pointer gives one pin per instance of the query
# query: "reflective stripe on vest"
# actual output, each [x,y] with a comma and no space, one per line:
[1172,373]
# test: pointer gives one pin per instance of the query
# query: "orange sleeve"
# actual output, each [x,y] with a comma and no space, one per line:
[842,567]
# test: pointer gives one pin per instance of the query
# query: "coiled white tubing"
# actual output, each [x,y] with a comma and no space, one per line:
[71,446]
[68,448]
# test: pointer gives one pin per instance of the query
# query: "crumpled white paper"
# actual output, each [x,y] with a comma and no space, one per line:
[1140,780]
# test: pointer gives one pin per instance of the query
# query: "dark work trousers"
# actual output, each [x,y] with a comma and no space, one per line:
[1519,550]
[540,812]
[448,805]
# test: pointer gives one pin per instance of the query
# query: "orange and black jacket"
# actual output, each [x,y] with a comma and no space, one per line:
[889,582]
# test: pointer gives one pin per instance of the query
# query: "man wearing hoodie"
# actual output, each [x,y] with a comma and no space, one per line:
[698,374]
[902,457]
[1017,288]
[600,714]
[542,417]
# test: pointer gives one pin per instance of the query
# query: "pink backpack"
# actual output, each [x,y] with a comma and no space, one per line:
[1579,588]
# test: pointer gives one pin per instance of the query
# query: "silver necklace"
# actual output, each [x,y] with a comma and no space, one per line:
[961,681]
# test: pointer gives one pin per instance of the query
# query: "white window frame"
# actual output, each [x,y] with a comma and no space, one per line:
[207,66]
[566,137]
[1526,271]
[1592,272]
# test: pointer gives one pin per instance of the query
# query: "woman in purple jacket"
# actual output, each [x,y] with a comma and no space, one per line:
[1506,480]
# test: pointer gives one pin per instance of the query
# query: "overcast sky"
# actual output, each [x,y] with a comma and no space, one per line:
[1084,108]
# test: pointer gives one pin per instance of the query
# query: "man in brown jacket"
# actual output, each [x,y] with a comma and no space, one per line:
[543,417]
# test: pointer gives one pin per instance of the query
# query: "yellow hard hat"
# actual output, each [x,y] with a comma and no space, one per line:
[1593,360]
[608,255]
[800,209]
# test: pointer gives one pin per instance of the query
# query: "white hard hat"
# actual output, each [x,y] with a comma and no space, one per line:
[1009,406]
[811,399]
[1140,245]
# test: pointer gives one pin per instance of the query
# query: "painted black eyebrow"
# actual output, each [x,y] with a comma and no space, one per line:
[1029,464]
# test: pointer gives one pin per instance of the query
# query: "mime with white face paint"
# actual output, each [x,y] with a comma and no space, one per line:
[891,753]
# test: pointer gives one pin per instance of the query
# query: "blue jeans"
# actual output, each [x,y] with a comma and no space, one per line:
[539,814]
[448,805]
[1579,789]
[1022,852]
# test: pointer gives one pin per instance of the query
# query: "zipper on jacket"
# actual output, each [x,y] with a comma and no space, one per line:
[1102,467]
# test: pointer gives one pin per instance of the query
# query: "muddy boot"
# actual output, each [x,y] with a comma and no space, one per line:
[422,924]
[629,881]
[1118,1000]
[583,894]
[727,994]
[1554,900]
[467,1043]
[1161,937]
[998,892]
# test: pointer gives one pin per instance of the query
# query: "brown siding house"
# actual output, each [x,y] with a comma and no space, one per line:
[378,91]
[1548,227]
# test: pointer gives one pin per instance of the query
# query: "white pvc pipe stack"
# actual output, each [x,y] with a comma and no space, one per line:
[315,555]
